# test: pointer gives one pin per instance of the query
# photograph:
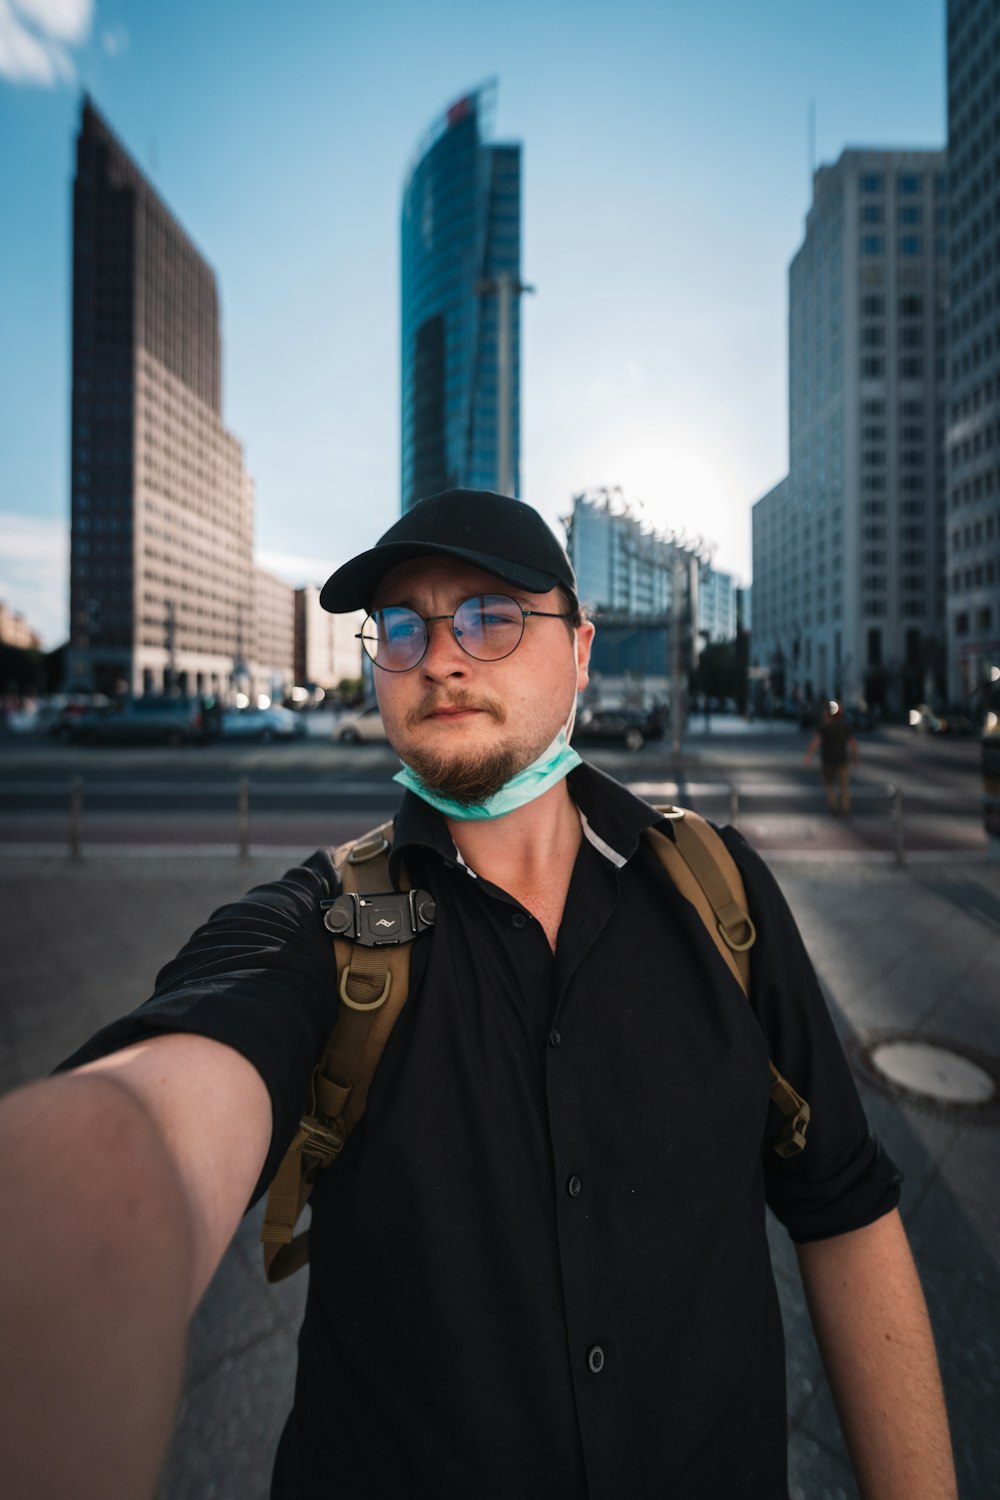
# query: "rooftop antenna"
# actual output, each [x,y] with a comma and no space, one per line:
[812,142]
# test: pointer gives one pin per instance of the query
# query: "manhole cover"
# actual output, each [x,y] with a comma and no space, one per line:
[936,1071]
[931,1073]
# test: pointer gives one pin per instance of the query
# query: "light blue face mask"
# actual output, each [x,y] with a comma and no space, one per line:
[545,771]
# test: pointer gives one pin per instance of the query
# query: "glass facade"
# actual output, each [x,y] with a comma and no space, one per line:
[461,227]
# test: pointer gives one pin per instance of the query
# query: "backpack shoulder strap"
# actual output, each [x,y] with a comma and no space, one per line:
[705,873]
[373,984]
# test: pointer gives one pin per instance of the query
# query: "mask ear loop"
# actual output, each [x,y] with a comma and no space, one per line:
[570,723]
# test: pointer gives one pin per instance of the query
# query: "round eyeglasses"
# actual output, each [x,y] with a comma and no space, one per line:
[488,627]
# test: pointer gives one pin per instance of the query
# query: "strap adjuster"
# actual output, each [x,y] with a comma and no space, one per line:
[322,1139]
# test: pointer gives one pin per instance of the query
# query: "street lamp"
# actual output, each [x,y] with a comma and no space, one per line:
[504,287]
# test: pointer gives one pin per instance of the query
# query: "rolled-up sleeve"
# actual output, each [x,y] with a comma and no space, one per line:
[844,1179]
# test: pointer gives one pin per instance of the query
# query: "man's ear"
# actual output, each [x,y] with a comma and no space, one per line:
[584,641]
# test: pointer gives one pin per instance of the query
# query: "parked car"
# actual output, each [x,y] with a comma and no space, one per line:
[362,725]
[626,726]
[144,721]
[925,721]
[61,715]
[264,724]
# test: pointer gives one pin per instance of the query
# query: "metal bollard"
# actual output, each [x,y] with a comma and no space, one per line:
[896,817]
[734,805]
[75,816]
[244,818]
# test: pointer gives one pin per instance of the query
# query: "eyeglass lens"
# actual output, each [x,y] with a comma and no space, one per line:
[487,627]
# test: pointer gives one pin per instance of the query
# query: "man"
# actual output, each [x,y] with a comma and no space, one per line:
[539,1267]
[834,739]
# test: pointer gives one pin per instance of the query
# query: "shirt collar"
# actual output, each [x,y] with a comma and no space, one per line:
[614,820]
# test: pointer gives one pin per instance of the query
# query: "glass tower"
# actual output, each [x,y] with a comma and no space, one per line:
[460,235]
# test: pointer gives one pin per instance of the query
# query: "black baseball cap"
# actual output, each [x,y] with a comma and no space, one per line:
[494,532]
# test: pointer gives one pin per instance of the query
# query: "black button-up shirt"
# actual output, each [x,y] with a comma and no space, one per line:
[539,1268]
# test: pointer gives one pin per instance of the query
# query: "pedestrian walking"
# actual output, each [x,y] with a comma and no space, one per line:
[835,741]
[539,1267]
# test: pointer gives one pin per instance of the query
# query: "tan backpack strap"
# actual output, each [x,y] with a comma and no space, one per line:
[706,874]
[373,984]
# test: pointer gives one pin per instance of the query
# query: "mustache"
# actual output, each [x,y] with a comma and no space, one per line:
[433,703]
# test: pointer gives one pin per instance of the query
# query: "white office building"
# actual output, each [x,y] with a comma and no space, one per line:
[849,549]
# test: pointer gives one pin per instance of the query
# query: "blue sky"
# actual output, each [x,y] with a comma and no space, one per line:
[666,180]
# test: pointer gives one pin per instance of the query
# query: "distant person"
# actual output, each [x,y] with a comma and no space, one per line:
[835,741]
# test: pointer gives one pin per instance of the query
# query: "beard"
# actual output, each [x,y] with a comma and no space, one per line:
[471,779]
[474,777]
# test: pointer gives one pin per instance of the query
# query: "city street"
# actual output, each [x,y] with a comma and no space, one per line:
[914,949]
[313,791]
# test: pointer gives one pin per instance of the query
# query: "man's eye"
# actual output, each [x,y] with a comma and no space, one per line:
[402,630]
[493,617]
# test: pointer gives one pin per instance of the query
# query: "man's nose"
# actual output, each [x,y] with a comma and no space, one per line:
[444,657]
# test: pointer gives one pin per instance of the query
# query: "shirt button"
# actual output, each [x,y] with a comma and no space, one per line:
[595,1359]
[555,1038]
[574,1186]
[519,920]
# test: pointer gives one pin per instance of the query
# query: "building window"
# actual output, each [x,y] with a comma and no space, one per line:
[871,244]
[872,182]
[871,213]
[909,184]
[911,244]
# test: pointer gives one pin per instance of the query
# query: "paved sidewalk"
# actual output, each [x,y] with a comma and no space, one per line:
[915,949]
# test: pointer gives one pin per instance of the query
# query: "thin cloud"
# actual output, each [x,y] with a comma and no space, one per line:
[35,36]
[34,573]
[292,567]
[115,42]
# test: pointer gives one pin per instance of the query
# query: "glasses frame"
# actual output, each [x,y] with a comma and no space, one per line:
[428,620]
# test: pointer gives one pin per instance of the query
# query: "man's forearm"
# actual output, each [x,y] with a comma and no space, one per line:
[871,1323]
[95,1292]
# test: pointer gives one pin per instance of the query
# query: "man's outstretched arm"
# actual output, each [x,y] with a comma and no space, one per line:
[122,1185]
[871,1323]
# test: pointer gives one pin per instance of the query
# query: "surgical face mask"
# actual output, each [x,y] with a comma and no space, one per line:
[545,771]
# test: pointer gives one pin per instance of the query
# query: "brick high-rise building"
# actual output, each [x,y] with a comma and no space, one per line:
[161,569]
